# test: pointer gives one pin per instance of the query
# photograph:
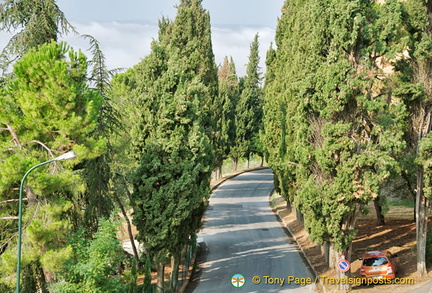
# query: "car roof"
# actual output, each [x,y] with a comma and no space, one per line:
[370,254]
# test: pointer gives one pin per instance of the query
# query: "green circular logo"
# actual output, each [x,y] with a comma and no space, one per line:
[238,280]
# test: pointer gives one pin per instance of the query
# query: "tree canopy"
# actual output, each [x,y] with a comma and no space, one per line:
[49,110]
[37,22]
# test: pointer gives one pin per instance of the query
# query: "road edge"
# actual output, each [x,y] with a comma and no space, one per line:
[318,285]
[212,188]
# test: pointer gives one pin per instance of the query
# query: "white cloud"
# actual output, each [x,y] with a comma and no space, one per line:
[125,44]
[236,42]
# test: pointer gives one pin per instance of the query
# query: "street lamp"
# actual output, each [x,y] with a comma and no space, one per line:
[66,156]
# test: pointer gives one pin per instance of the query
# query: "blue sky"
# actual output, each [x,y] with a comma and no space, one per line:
[125,28]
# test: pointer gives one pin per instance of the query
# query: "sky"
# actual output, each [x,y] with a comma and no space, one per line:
[126,28]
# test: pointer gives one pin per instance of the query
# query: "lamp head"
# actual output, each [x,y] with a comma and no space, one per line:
[66,156]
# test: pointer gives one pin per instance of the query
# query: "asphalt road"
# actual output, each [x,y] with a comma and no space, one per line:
[241,235]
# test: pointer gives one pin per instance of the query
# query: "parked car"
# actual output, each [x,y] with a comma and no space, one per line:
[379,265]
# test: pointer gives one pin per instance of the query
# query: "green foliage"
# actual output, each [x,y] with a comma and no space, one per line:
[93,267]
[169,103]
[147,287]
[46,234]
[424,160]
[49,110]
[98,171]
[227,101]
[413,87]
[38,22]
[165,201]
[172,180]
[133,277]
[331,135]
[47,85]
[124,101]
[248,117]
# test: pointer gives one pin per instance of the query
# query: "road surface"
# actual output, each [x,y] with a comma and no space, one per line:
[241,235]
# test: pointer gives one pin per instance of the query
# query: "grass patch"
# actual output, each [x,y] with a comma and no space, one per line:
[228,165]
[404,203]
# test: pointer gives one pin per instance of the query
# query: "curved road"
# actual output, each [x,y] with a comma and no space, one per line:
[241,235]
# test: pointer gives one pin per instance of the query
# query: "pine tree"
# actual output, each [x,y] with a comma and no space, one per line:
[49,110]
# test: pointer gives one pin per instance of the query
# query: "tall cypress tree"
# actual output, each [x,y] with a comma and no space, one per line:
[227,101]
[339,132]
[249,106]
[191,39]
[174,88]
[412,41]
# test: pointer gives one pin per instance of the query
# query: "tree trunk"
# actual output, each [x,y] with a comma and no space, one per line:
[235,163]
[332,256]
[160,278]
[288,206]
[411,191]
[421,224]
[325,251]
[48,277]
[33,278]
[299,215]
[262,161]
[129,227]
[347,225]
[378,211]
[175,261]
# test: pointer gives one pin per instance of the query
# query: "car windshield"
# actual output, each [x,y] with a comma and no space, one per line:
[375,261]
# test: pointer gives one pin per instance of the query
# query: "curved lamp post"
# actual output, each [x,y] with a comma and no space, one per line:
[66,156]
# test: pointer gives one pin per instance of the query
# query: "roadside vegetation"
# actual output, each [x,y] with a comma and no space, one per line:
[347,115]
[342,115]
[148,141]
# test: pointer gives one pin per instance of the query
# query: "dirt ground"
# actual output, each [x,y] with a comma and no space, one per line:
[396,236]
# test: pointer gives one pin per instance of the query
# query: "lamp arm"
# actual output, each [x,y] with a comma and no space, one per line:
[20,221]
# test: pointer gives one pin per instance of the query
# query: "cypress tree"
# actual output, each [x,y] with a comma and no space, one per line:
[191,39]
[227,101]
[339,133]
[411,44]
[174,88]
[249,107]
